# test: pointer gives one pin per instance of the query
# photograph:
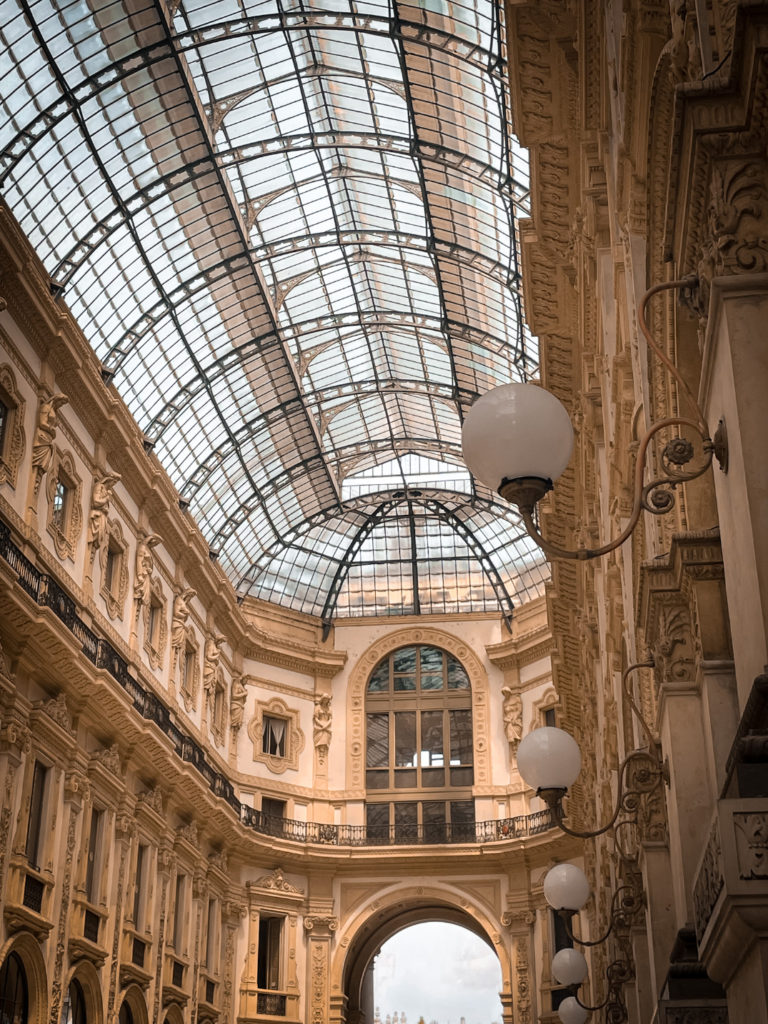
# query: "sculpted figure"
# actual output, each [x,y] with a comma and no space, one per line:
[180,616]
[145,563]
[321,721]
[97,521]
[45,433]
[237,703]
[211,658]
[513,715]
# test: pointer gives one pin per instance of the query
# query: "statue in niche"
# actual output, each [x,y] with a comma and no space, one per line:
[321,723]
[180,616]
[97,521]
[145,563]
[211,658]
[45,433]
[512,710]
[236,703]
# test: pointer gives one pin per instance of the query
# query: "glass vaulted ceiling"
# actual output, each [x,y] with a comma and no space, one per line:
[289,229]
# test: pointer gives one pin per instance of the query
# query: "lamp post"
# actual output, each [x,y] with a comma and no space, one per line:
[517,440]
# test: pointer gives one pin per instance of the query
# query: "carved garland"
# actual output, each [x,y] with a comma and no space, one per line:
[478,681]
[12,441]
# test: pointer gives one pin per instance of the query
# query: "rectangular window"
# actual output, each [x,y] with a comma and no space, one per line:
[549,717]
[188,670]
[93,868]
[273,808]
[138,891]
[377,823]
[179,913]
[268,960]
[210,935]
[273,736]
[34,844]
[60,502]
[111,573]
[5,414]
[153,625]
[406,823]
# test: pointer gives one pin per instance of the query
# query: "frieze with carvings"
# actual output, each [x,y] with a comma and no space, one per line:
[276,883]
[709,881]
[752,844]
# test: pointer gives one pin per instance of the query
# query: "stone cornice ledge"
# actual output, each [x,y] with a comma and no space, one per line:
[275,650]
[696,555]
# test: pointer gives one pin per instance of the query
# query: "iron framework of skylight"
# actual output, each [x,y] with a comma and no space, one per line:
[289,229]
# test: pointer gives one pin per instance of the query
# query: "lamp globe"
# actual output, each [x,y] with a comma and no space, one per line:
[572,1012]
[549,758]
[566,887]
[569,967]
[517,431]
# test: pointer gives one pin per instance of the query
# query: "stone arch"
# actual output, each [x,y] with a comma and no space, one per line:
[479,686]
[137,1004]
[85,972]
[389,911]
[174,1015]
[27,948]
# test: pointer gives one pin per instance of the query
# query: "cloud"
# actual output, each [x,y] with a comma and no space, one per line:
[441,972]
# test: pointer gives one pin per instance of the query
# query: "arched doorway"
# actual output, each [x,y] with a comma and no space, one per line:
[390,913]
[436,972]
[23,984]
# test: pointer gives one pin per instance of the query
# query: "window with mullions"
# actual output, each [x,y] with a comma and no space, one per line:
[419,748]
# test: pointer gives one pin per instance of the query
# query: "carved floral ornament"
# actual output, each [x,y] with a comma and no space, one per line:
[12,448]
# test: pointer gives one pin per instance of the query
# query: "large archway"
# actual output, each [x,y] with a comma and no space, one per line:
[385,916]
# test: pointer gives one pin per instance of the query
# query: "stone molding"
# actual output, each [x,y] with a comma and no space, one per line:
[12,450]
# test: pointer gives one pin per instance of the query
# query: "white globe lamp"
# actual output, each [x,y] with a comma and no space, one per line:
[517,439]
[569,967]
[571,1012]
[566,887]
[549,758]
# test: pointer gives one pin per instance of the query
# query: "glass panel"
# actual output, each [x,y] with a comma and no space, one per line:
[379,681]
[457,677]
[405,739]
[433,818]
[377,741]
[406,822]
[377,779]
[432,745]
[404,660]
[405,778]
[463,819]
[433,778]
[431,660]
[461,736]
[432,682]
[404,684]
[377,822]
[462,776]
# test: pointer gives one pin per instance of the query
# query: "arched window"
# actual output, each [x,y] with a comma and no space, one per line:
[74,1005]
[14,997]
[126,1016]
[419,750]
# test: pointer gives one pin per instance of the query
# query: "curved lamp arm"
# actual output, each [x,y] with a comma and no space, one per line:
[656,497]
[625,904]
[647,778]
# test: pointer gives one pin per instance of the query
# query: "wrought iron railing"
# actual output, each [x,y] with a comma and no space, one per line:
[48,592]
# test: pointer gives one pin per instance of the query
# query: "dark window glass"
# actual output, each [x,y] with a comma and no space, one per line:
[549,717]
[14,1000]
[461,736]
[153,626]
[457,677]
[379,681]
[126,1016]
[141,856]
[433,817]
[273,736]
[431,660]
[73,1011]
[60,505]
[406,822]
[562,938]
[268,959]
[34,825]
[109,569]
[377,745]
[91,871]
[404,684]
[377,822]
[404,660]
[405,739]
[5,413]
[178,913]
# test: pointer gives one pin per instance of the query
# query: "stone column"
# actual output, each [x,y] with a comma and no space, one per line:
[319,933]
